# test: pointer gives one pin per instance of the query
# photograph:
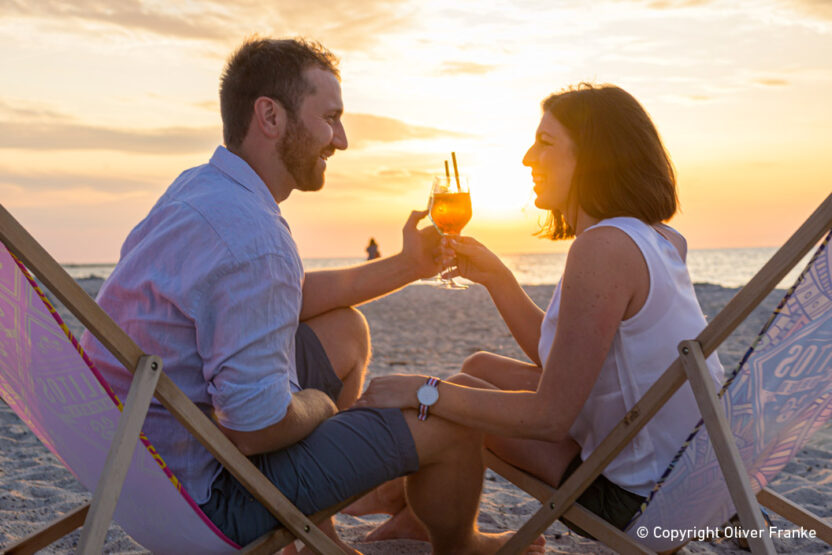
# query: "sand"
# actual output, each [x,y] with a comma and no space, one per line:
[429,331]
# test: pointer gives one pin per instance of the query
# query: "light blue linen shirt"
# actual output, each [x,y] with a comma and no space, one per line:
[211,282]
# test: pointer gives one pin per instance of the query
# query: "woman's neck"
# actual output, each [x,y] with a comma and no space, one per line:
[583,221]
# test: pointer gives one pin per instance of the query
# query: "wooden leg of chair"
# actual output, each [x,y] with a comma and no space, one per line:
[109,485]
[796,514]
[602,530]
[278,539]
[50,533]
[722,438]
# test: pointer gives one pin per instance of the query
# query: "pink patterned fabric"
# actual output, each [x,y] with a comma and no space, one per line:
[50,383]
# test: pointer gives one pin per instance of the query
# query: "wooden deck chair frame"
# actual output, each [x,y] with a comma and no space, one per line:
[689,366]
[148,381]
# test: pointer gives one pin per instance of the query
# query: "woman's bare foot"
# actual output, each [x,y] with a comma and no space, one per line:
[402,525]
[388,498]
[486,544]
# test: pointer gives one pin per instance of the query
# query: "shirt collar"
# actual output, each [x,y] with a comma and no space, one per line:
[238,169]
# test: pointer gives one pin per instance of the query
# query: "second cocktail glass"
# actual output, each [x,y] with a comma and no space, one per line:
[450,210]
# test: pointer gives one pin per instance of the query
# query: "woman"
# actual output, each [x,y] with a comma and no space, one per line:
[624,302]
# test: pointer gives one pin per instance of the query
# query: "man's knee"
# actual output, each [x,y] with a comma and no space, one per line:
[344,334]
[357,330]
[438,439]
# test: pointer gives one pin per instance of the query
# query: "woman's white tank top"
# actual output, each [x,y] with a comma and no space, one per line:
[643,347]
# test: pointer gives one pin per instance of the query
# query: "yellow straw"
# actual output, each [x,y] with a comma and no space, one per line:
[456,172]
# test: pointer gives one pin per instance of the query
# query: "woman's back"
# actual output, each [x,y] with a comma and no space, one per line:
[643,347]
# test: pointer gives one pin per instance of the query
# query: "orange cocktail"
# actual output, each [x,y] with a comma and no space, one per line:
[450,211]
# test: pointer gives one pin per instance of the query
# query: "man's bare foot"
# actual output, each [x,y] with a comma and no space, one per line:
[328,528]
[402,525]
[388,498]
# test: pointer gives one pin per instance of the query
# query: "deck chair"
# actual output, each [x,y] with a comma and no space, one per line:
[779,394]
[53,387]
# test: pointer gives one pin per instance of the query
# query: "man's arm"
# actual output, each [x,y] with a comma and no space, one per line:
[308,408]
[325,290]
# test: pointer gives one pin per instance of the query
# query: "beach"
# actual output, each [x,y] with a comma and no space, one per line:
[425,330]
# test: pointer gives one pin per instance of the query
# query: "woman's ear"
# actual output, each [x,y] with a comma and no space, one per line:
[270,117]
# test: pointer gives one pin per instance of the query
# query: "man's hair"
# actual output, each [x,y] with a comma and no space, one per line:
[272,68]
[621,165]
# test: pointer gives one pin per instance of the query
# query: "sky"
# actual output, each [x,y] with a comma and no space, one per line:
[104,102]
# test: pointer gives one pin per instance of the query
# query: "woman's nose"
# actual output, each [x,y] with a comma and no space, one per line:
[528,158]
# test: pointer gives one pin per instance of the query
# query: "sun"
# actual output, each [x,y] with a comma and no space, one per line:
[500,192]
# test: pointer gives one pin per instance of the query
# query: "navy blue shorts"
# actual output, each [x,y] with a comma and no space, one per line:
[348,454]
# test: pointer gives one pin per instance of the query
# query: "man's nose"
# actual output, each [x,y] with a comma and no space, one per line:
[339,137]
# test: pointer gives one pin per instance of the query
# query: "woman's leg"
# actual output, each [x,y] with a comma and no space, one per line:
[543,459]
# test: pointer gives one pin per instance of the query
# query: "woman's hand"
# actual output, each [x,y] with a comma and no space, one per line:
[474,261]
[396,391]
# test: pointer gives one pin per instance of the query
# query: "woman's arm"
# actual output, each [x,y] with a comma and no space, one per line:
[593,303]
[522,316]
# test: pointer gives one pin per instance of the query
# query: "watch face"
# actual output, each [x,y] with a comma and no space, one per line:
[427,395]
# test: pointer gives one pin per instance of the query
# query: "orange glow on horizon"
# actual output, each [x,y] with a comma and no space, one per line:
[108,106]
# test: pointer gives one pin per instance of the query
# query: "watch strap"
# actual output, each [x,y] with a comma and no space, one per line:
[425,409]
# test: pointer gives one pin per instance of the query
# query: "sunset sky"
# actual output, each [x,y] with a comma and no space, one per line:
[104,103]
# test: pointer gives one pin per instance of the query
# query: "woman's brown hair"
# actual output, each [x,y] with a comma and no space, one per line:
[621,165]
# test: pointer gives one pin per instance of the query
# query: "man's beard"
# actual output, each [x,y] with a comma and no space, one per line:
[298,153]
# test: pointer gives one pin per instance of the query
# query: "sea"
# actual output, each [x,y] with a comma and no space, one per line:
[729,268]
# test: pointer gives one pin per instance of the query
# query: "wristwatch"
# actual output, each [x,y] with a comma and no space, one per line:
[427,395]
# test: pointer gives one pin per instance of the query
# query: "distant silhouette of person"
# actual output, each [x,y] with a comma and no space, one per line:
[372,250]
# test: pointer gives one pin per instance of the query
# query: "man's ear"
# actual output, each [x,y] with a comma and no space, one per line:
[270,117]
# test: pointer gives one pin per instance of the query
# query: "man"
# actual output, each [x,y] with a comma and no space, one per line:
[211,281]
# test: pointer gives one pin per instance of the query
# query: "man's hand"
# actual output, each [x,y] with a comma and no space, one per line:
[420,247]
[420,257]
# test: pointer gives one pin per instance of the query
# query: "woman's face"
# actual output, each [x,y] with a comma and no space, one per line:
[552,160]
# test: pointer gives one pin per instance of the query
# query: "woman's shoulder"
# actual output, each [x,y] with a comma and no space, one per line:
[643,233]
[604,248]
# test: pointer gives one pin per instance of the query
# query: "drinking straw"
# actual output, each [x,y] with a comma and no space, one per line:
[456,172]
[447,172]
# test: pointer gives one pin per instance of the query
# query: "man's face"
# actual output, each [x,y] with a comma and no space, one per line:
[315,132]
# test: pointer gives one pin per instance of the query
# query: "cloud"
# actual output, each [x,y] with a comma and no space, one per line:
[687,99]
[340,24]
[772,82]
[57,181]
[206,22]
[24,127]
[469,68]
[818,8]
[76,136]
[672,4]
[366,128]
[23,110]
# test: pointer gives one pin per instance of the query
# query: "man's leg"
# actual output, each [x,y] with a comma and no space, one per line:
[491,371]
[546,460]
[444,493]
[345,337]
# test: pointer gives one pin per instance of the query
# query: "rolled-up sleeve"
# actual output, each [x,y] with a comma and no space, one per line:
[246,338]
